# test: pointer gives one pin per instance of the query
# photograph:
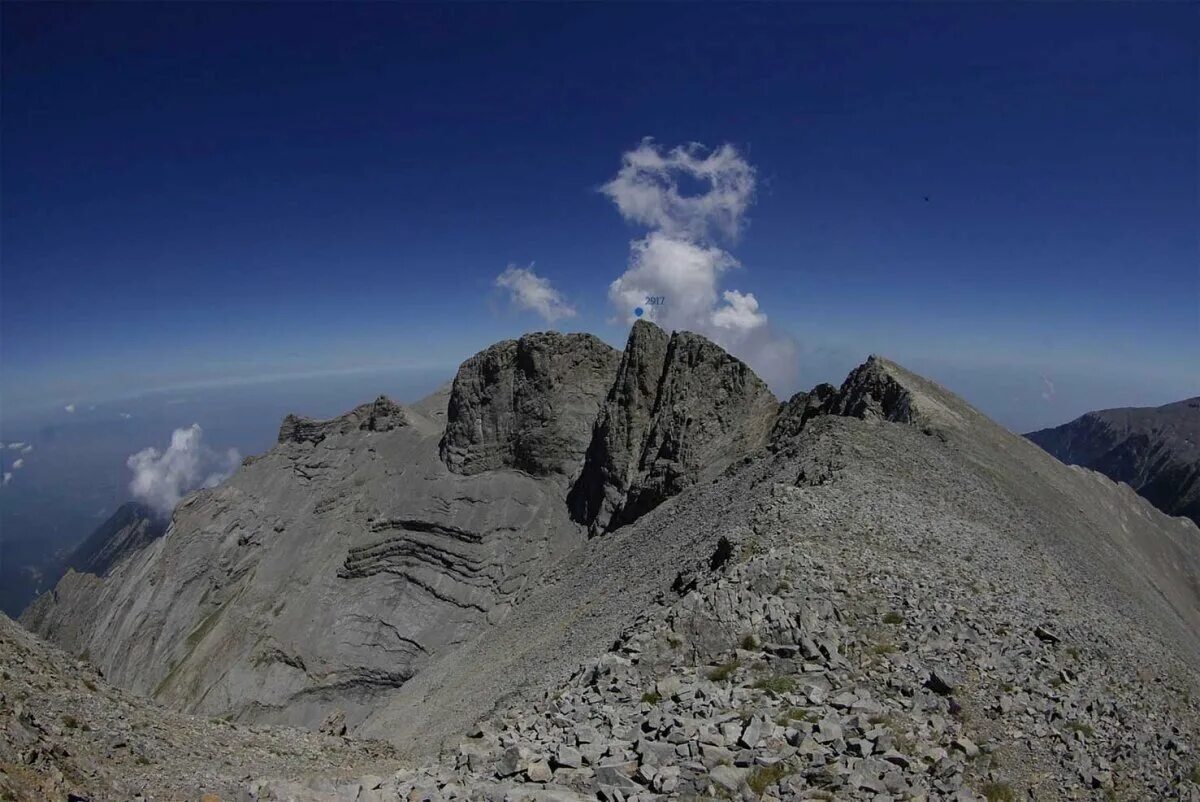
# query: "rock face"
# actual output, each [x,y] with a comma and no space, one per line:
[130,529]
[803,407]
[871,592]
[881,389]
[381,415]
[681,410]
[1154,450]
[527,404]
[618,439]
[319,577]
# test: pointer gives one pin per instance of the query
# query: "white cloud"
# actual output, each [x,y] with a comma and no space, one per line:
[16,445]
[26,449]
[1048,391]
[161,479]
[740,312]
[18,464]
[528,290]
[646,189]
[126,415]
[69,408]
[7,478]
[680,260]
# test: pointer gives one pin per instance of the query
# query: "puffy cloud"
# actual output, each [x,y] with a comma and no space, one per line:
[126,415]
[70,409]
[646,189]
[691,198]
[18,464]
[161,479]
[683,273]
[527,290]
[740,312]
[26,449]
[16,445]
[7,478]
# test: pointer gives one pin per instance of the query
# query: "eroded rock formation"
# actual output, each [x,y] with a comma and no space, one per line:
[681,410]
[527,404]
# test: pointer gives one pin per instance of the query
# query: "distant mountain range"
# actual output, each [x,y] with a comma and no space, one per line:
[1154,450]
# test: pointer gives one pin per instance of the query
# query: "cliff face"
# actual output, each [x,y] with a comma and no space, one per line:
[680,411]
[527,404]
[1154,450]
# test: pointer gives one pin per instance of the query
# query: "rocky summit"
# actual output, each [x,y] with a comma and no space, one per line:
[579,573]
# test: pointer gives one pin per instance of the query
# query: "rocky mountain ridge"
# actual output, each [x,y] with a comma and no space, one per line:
[1155,450]
[127,531]
[868,590]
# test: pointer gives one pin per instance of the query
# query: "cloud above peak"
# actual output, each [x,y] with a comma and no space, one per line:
[531,292]
[647,189]
[162,478]
[693,200]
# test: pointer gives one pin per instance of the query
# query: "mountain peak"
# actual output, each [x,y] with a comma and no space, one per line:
[381,415]
[527,404]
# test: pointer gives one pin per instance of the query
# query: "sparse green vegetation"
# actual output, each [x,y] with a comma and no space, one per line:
[1077,726]
[70,722]
[651,697]
[673,640]
[764,777]
[794,714]
[91,686]
[884,648]
[723,672]
[776,684]
[999,792]
[893,618]
[749,642]
[1195,775]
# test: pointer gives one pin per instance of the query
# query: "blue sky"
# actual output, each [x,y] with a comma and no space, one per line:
[205,193]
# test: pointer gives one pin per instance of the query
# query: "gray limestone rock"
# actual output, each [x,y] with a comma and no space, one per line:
[614,455]
[894,535]
[653,440]
[381,415]
[527,404]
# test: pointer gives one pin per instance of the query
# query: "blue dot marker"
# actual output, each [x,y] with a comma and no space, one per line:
[638,311]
